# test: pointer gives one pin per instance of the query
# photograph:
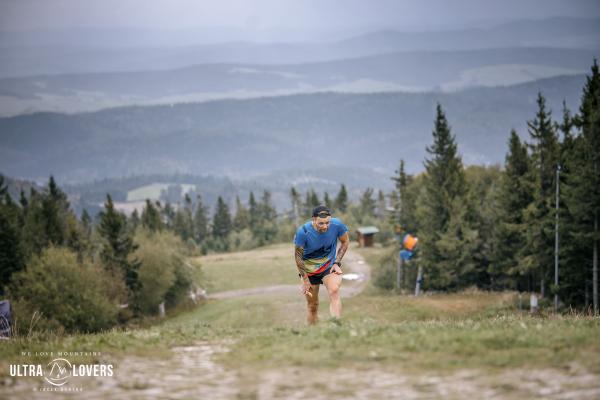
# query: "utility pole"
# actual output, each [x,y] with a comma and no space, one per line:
[556,241]
[419,280]
[399,274]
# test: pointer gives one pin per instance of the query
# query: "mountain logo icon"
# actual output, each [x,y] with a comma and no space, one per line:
[59,372]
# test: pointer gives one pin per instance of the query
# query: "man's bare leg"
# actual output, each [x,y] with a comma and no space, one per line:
[333,282]
[313,305]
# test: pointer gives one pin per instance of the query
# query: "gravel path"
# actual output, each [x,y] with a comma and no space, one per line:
[353,263]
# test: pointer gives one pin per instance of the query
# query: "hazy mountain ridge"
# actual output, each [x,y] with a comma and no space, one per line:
[27,53]
[420,71]
[243,138]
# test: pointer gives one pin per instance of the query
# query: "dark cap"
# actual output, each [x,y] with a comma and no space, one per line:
[321,211]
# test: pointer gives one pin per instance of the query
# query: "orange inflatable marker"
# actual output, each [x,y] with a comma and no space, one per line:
[409,242]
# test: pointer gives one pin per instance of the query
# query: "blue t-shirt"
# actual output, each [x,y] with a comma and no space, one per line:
[319,248]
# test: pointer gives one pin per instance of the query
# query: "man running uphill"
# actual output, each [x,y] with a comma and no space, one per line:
[316,259]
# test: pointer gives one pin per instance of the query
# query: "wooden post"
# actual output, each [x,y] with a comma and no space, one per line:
[533,304]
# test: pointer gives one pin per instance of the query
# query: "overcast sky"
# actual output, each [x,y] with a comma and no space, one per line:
[278,20]
[309,14]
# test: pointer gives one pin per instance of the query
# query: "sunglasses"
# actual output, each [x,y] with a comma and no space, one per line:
[323,214]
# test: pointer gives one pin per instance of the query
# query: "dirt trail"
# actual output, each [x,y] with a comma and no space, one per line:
[353,263]
[191,372]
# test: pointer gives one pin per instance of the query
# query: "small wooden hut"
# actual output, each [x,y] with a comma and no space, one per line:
[366,235]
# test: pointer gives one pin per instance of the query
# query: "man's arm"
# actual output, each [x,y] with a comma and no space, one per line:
[345,242]
[300,262]
[299,252]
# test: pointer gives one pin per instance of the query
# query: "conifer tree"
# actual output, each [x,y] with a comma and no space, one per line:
[169,215]
[134,220]
[151,217]
[582,191]
[514,196]
[222,225]
[367,205]
[254,212]
[11,257]
[341,200]
[268,219]
[381,205]
[242,218]
[397,219]
[119,245]
[312,200]
[444,184]
[538,257]
[327,201]
[296,205]
[200,221]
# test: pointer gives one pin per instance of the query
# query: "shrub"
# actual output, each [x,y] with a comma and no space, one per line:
[243,240]
[163,274]
[69,295]
[384,274]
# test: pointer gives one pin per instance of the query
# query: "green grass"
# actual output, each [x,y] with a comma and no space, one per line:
[442,332]
[266,266]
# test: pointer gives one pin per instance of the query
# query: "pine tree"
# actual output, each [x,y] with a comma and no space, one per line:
[33,232]
[3,187]
[381,205]
[539,216]
[48,219]
[514,196]
[403,199]
[307,208]
[296,205]
[341,200]
[222,225]
[268,219]
[590,128]
[11,256]
[119,245]
[582,191]
[457,245]
[23,199]
[312,200]
[367,205]
[169,215]
[55,208]
[242,217]
[200,221]
[400,183]
[254,212]
[327,201]
[151,217]
[183,224]
[573,283]
[134,221]
[86,222]
[444,183]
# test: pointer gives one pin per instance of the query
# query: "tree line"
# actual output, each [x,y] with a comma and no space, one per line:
[496,228]
[64,273]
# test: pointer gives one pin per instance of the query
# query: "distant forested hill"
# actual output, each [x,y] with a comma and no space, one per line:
[417,71]
[240,138]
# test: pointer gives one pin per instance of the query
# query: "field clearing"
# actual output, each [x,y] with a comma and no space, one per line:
[271,265]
